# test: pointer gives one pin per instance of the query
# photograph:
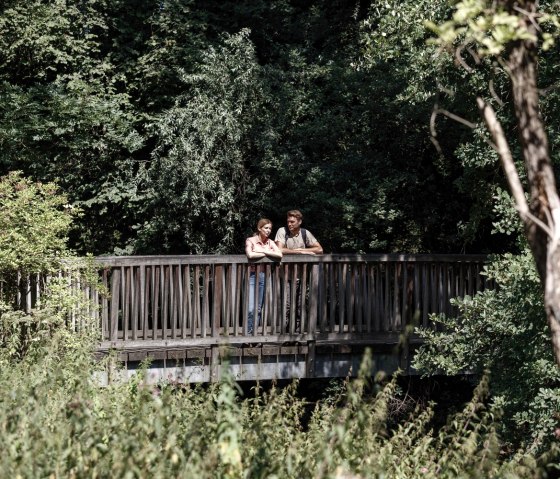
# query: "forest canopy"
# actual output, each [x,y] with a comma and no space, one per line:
[174,125]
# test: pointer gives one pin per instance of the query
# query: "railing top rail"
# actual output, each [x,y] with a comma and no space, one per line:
[325,258]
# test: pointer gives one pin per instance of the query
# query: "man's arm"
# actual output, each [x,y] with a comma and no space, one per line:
[315,249]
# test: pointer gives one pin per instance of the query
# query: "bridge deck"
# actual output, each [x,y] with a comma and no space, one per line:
[194,309]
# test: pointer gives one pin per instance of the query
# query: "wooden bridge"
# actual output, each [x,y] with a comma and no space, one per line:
[189,313]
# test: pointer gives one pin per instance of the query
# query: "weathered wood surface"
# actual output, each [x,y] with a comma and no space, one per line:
[195,299]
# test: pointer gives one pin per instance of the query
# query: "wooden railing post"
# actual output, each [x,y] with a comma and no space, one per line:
[202,298]
[313,299]
[114,312]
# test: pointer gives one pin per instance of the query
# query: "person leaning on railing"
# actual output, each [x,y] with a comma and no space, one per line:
[293,239]
[258,246]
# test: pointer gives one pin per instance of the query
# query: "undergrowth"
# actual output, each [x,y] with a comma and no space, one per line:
[56,421]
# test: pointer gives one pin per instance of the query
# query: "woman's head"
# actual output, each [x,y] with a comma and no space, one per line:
[262,222]
[264,227]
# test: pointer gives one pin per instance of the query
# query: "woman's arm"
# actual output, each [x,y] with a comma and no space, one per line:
[274,252]
[250,250]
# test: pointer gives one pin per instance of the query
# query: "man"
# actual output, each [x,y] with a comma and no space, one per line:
[294,239]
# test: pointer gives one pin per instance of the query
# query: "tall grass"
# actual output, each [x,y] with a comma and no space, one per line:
[56,421]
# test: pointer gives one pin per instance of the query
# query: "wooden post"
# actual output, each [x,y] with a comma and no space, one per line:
[114,315]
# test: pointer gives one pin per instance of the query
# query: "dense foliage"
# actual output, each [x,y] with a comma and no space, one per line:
[504,331]
[171,126]
[55,421]
[34,223]
[35,220]
[175,124]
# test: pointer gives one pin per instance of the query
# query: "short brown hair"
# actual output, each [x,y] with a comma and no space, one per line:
[295,213]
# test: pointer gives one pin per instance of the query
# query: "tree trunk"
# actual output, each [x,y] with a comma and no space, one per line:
[542,223]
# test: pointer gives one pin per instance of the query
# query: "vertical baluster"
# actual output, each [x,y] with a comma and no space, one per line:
[341,269]
[114,313]
[133,301]
[217,292]
[303,296]
[196,320]
[350,278]
[187,301]
[172,301]
[313,299]
[143,302]
[332,296]
[155,301]
[405,292]
[205,320]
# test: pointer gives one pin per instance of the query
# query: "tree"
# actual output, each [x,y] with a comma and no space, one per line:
[34,223]
[510,31]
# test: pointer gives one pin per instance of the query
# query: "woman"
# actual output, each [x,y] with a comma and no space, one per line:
[256,247]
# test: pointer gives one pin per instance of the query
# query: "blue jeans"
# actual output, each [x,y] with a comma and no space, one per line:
[251,314]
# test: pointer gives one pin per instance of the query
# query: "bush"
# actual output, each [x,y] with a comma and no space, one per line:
[56,421]
[504,330]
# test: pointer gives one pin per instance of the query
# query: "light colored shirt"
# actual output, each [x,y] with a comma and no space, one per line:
[255,241]
[294,242]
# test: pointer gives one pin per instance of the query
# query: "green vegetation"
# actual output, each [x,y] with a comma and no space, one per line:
[57,422]
[173,125]
[170,126]
[504,331]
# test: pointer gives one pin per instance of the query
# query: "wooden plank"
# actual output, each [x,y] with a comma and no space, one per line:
[217,292]
[310,360]
[225,309]
[181,310]
[143,302]
[125,306]
[267,318]
[332,297]
[188,316]
[214,364]
[322,299]
[205,309]
[134,302]
[177,354]
[303,298]
[114,312]
[378,309]
[396,323]
[196,320]
[341,296]
[155,300]
[387,319]
[105,332]
[164,294]
[368,297]
[349,286]
[313,299]
[172,301]
[284,320]
[117,261]
[236,297]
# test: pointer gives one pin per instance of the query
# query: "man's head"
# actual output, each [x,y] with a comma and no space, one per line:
[294,218]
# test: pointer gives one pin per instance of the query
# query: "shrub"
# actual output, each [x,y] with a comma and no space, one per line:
[504,330]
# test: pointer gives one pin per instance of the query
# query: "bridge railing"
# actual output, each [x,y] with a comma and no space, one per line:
[195,297]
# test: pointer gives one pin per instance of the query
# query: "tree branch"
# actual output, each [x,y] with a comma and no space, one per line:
[504,153]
